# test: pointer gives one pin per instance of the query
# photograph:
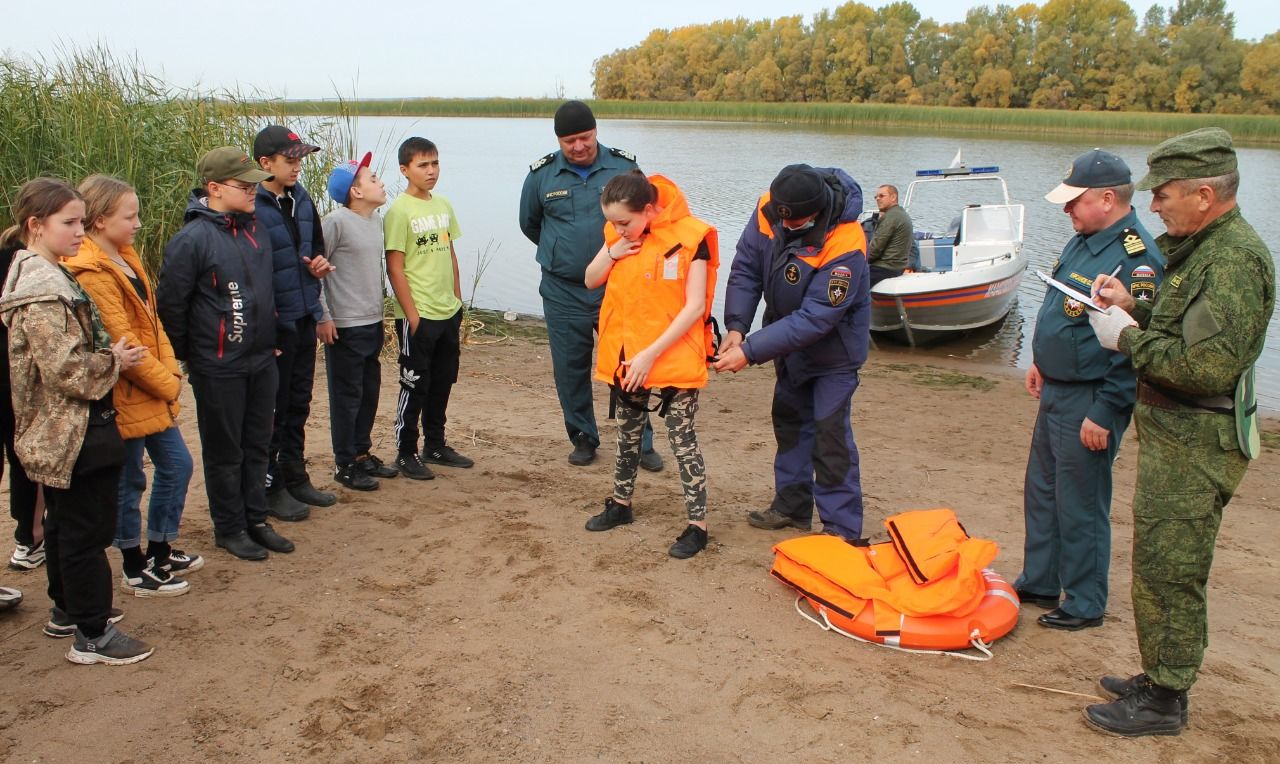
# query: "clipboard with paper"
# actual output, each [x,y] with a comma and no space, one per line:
[1074,294]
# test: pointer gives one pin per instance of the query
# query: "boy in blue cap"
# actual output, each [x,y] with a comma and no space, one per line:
[351,324]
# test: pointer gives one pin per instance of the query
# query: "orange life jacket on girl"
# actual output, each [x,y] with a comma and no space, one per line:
[646,290]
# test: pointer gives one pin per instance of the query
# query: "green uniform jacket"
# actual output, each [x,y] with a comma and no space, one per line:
[560,211]
[1209,319]
[891,245]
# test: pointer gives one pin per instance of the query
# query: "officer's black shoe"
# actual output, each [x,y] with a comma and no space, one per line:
[1058,619]
[1117,687]
[772,520]
[240,545]
[355,478]
[692,541]
[583,452]
[651,460]
[375,467]
[1039,600]
[265,535]
[283,506]
[1148,710]
[614,514]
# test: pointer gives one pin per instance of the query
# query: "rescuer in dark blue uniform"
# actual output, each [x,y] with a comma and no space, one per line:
[1086,395]
[804,252]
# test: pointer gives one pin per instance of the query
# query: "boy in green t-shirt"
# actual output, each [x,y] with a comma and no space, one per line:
[423,269]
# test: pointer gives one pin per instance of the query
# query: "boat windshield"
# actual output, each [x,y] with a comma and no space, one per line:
[990,224]
[934,204]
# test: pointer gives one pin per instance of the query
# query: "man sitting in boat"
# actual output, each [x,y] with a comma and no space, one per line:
[890,247]
[1086,396]
[805,253]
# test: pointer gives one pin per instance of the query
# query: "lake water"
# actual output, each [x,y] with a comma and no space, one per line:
[724,167]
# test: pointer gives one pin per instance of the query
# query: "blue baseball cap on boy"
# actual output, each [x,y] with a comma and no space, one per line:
[343,177]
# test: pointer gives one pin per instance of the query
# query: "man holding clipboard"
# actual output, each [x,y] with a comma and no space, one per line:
[1086,396]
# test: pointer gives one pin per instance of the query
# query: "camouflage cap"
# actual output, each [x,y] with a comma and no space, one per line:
[1203,153]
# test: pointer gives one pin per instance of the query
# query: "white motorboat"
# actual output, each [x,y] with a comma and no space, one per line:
[968,271]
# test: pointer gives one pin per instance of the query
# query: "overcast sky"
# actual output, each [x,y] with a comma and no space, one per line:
[408,48]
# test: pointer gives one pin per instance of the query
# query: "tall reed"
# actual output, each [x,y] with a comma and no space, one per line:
[86,111]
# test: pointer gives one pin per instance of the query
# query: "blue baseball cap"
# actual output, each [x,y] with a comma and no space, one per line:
[342,177]
[1092,169]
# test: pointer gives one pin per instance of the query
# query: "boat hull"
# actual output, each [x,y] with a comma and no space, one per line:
[924,307]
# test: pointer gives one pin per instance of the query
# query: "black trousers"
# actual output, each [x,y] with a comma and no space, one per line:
[296,367]
[22,496]
[428,368]
[79,524]
[354,373]
[878,274]
[234,414]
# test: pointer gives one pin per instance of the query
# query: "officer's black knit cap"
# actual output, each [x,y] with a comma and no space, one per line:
[574,117]
[798,192]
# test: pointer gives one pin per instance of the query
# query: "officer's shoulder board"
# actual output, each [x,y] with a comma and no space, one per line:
[543,162]
[623,154]
[1132,242]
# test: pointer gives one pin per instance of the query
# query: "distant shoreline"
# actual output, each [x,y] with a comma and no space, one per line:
[1246,129]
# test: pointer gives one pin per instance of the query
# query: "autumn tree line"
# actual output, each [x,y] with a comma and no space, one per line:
[1065,54]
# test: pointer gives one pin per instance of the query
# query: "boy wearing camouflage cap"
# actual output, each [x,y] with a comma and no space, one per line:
[1190,348]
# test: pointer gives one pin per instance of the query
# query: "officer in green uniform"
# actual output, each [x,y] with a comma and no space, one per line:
[560,213]
[1086,395]
[1190,348]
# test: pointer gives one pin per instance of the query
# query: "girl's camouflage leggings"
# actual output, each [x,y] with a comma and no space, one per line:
[631,412]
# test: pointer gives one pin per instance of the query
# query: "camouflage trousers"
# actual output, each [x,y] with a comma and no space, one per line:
[632,416]
[1189,465]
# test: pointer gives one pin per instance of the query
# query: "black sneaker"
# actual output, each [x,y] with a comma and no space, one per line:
[181,562]
[60,625]
[1116,687]
[1148,710]
[374,467]
[153,582]
[651,460]
[614,514]
[355,478]
[692,541]
[411,466]
[583,452]
[447,457]
[114,648]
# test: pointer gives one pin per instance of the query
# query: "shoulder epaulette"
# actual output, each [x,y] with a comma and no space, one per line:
[543,162]
[1132,242]
[624,154]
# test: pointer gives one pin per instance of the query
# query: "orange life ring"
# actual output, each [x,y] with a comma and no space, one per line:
[995,617]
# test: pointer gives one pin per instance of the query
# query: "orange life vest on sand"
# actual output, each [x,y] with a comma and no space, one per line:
[646,290]
[871,591]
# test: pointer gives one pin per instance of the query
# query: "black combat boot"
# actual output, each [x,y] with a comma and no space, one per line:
[1118,687]
[1148,710]
[298,483]
[282,506]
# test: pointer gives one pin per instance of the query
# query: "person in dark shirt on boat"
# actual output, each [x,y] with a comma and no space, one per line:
[890,247]
[1086,396]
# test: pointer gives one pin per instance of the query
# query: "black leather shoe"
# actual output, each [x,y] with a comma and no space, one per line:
[583,452]
[1057,619]
[1117,687]
[355,478]
[1148,710]
[374,467]
[1039,600]
[651,460]
[309,494]
[614,514]
[772,520]
[240,545]
[282,506]
[265,535]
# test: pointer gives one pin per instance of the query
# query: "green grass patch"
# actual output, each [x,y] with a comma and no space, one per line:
[1026,122]
[939,378]
[1270,440]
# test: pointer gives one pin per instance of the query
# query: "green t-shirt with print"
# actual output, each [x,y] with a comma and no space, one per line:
[423,229]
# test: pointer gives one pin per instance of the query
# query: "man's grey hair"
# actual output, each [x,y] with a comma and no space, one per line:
[1224,186]
[1124,192]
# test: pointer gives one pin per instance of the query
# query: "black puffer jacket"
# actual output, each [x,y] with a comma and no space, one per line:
[215,296]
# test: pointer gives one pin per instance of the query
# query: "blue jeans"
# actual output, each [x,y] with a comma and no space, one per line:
[173,466]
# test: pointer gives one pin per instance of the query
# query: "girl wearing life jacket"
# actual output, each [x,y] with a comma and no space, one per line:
[658,264]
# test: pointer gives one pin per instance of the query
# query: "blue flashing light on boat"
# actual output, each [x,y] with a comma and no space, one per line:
[950,171]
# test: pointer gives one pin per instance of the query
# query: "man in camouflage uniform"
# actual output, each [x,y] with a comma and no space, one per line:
[1189,348]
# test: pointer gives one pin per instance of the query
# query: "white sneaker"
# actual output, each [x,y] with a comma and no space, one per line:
[9,598]
[27,557]
[152,582]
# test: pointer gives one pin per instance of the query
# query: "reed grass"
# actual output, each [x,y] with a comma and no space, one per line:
[86,111]
[1027,122]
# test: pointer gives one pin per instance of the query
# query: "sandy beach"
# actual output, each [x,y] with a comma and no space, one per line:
[471,618]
